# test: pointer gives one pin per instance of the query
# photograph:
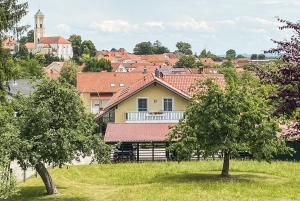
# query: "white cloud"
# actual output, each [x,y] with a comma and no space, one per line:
[64,28]
[155,25]
[190,23]
[114,26]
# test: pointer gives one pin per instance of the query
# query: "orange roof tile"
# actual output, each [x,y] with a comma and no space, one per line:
[29,46]
[124,132]
[179,84]
[54,40]
[102,81]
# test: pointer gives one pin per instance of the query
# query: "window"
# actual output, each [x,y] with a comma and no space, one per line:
[142,105]
[168,104]
[41,25]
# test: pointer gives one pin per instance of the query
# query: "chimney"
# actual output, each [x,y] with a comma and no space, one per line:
[156,73]
[145,70]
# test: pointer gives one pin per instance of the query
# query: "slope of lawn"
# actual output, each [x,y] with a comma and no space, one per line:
[278,181]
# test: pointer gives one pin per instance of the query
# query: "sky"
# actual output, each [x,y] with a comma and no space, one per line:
[217,25]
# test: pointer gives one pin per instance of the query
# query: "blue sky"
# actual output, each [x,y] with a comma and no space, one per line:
[218,25]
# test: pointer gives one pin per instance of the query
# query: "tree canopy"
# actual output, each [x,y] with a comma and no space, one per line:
[68,73]
[97,65]
[184,48]
[147,48]
[186,61]
[230,54]
[55,129]
[286,75]
[236,118]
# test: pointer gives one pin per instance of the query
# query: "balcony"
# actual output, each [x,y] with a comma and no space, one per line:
[154,117]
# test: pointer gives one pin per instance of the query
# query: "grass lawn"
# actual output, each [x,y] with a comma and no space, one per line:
[279,181]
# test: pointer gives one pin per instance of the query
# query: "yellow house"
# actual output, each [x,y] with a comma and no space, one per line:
[155,99]
[140,116]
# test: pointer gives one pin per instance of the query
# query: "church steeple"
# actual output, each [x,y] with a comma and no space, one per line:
[39,29]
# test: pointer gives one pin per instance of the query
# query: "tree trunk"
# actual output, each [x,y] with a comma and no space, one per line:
[225,170]
[44,174]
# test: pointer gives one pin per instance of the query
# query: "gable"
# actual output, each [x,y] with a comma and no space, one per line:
[155,93]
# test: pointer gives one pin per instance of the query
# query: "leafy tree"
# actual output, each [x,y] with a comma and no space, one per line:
[184,48]
[76,45]
[9,145]
[230,54]
[68,73]
[227,64]
[30,68]
[286,75]
[95,65]
[143,48]
[203,54]
[158,48]
[23,52]
[46,59]
[230,120]
[240,56]
[10,14]
[186,61]
[55,128]
[88,47]
[30,36]
[261,57]
[254,57]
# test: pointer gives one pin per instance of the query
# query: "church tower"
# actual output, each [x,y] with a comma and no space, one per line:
[39,29]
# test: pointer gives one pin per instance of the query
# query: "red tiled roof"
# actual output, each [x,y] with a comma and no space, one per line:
[29,45]
[184,82]
[179,84]
[54,40]
[101,82]
[207,61]
[137,132]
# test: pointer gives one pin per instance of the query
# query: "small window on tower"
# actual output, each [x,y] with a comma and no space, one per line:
[41,25]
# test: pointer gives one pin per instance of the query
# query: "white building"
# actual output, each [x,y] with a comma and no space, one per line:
[56,45]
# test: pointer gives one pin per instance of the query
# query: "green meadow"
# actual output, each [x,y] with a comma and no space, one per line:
[249,180]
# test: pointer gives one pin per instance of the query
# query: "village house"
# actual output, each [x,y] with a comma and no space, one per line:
[53,70]
[96,89]
[10,44]
[56,45]
[144,111]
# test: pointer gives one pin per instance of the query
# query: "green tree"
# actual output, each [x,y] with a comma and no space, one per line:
[143,48]
[254,57]
[230,120]
[227,64]
[9,145]
[89,47]
[11,12]
[184,48]
[95,65]
[68,73]
[56,129]
[240,56]
[203,54]
[186,61]
[30,69]
[261,56]
[158,48]
[76,45]
[230,54]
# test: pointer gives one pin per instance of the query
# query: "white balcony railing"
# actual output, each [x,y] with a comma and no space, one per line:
[172,116]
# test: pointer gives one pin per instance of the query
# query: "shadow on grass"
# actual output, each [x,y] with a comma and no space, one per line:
[37,193]
[209,178]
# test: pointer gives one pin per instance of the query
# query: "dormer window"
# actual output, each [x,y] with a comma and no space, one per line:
[112,85]
[122,85]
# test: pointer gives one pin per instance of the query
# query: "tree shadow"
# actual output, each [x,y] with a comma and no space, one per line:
[208,178]
[37,193]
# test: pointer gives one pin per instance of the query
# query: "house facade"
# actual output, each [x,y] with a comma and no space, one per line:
[143,113]
[96,89]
